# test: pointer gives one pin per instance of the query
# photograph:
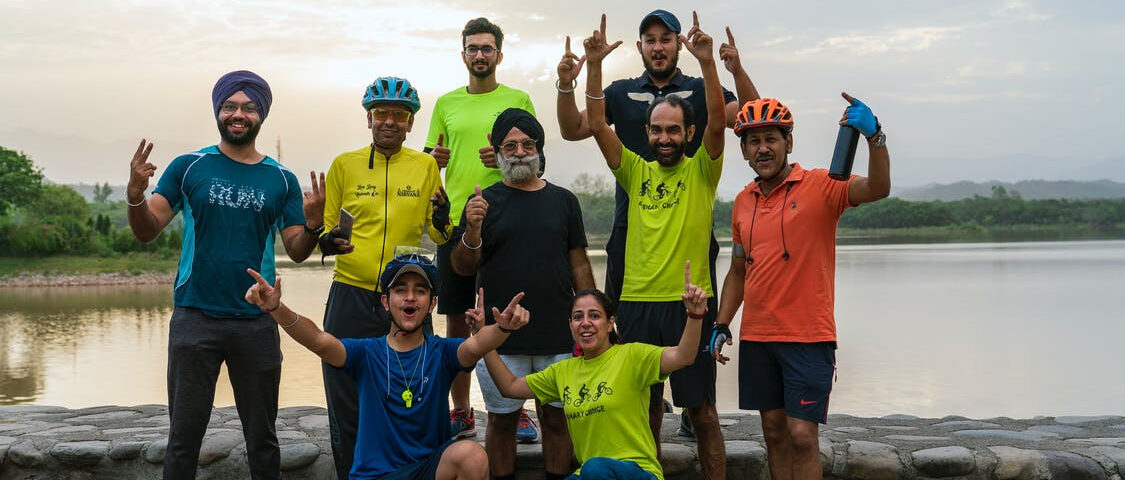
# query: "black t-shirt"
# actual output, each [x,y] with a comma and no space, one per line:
[626,102]
[527,239]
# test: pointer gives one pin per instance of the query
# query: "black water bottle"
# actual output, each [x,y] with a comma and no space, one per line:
[844,155]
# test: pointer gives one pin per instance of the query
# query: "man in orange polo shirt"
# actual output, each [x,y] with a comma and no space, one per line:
[783,267]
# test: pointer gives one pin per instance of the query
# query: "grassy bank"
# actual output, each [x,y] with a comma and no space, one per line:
[976,233]
[150,262]
[134,263]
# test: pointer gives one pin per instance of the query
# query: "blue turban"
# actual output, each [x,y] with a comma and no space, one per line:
[247,82]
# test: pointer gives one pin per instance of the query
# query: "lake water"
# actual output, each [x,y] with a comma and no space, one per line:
[980,330]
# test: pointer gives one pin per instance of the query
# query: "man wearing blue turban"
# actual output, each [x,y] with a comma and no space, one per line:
[234,201]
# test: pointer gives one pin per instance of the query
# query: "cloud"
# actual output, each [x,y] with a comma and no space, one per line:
[894,40]
[953,98]
[1020,11]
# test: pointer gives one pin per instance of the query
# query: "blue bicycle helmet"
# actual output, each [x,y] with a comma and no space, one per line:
[391,90]
[410,263]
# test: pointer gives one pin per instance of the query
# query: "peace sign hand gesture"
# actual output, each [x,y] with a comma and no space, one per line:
[513,317]
[698,43]
[313,204]
[569,67]
[695,299]
[596,45]
[140,170]
[267,297]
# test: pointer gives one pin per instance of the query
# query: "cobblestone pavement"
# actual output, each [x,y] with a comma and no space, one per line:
[45,442]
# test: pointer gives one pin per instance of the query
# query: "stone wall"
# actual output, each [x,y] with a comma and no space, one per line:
[128,442]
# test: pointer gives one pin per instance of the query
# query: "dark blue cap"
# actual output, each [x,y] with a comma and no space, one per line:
[664,17]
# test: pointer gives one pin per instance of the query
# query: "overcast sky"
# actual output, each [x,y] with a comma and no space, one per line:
[966,90]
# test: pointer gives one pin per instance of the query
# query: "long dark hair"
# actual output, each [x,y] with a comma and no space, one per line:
[607,305]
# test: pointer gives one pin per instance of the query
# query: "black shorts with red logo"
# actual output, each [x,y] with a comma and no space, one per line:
[793,376]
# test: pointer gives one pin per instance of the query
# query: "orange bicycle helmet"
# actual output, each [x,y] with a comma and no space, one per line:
[763,112]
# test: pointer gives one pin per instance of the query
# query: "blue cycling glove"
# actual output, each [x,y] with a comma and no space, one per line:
[720,332]
[861,118]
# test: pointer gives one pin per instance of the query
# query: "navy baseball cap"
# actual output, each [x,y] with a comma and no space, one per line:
[663,16]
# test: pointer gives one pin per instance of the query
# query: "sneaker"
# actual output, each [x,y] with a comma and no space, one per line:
[686,430]
[527,431]
[464,425]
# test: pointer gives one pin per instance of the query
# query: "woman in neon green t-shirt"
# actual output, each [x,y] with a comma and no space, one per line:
[605,391]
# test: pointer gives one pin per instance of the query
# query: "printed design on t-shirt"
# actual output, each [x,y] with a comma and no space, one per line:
[366,190]
[225,193]
[409,191]
[586,396]
[649,97]
[662,196]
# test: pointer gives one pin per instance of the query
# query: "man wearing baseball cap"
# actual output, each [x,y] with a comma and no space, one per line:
[627,104]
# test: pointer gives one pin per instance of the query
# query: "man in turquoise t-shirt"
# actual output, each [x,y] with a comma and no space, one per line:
[670,212]
[458,140]
[234,200]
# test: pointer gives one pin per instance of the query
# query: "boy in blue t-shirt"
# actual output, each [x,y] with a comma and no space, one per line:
[403,378]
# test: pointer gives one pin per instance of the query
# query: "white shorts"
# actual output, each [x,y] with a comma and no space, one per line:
[521,366]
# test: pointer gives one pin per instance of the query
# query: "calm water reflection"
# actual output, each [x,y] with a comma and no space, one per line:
[1017,329]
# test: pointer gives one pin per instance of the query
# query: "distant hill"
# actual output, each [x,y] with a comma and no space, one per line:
[1028,189]
[87,191]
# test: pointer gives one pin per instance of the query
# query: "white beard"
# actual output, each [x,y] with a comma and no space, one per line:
[518,169]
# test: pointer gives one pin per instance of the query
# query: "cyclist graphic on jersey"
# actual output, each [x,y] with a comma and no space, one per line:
[583,395]
[602,388]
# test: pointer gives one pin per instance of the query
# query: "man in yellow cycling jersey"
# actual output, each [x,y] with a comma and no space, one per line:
[394,193]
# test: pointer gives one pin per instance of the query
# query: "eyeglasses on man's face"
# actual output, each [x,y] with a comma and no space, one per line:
[509,148]
[230,107]
[487,50]
[382,114]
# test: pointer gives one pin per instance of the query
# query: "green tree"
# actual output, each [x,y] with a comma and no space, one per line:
[20,180]
[595,185]
[102,192]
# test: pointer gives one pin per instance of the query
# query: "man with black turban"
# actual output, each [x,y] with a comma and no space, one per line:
[234,201]
[524,234]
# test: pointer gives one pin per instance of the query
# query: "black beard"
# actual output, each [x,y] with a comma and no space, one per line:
[240,140]
[482,74]
[661,74]
[677,154]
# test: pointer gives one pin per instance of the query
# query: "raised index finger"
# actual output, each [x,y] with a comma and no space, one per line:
[258,277]
[847,97]
[730,37]
[514,303]
[687,275]
[568,44]
[603,25]
[695,19]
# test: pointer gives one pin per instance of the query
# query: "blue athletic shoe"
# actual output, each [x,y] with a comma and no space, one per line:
[527,431]
[464,423]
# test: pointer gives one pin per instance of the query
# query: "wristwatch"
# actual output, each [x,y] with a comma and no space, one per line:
[878,140]
[314,231]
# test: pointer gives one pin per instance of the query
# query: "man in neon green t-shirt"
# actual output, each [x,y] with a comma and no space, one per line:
[458,140]
[669,217]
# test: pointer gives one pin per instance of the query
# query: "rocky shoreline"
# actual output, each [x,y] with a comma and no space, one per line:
[74,280]
[46,442]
